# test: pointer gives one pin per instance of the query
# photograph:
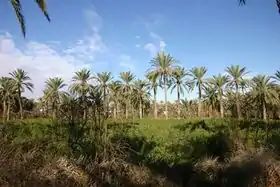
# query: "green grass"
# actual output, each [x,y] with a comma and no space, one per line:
[153,143]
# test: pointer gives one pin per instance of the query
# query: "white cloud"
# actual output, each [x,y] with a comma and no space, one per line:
[44,60]
[126,61]
[39,60]
[162,45]
[137,37]
[137,45]
[151,48]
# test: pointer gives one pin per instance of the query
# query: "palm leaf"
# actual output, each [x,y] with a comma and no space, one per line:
[42,5]
[18,10]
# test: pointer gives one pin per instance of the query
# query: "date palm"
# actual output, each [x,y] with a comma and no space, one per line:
[22,82]
[180,83]
[127,78]
[219,83]
[141,93]
[210,97]
[103,80]
[162,66]
[236,75]
[264,92]
[53,92]
[115,88]
[153,85]
[277,76]
[198,80]
[81,86]
[16,4]
[6,92]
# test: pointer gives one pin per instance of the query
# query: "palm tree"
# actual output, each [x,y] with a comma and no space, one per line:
[6,93]
[198,80]
[264,91]
[153,85]
[81,86]
[162,66]
[219,82]
[277,75]
[115,87]
[210,97]
[243,2]
[22,81]
[104,79]
[141,93]
[236,74]
[127,78]
[53,92]
[180,83]
[16,4]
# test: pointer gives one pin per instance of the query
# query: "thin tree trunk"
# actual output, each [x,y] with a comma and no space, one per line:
[178,104]
[221,107]
[20,104]
[53,111]
[126,109]
[4,111]
[155,104]
[199,101]
[140,109]
[115,110]
[8,109]
[264,111]
[237,102]
[165,98]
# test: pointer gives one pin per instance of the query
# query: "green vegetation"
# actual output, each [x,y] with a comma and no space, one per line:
[106,131]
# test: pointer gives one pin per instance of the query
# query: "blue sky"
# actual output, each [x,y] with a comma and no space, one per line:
[124,35]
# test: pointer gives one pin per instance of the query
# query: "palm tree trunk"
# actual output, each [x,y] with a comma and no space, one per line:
[140,109]
[221,107]
[104,102]
[165,98]
[237,102]
[8,109]
[4,111]
[264,110]
[199,101]
[115,109]
[20,104]
[126,109]
[178,104]
[155,104]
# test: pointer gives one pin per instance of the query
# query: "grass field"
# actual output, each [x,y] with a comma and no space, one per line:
[161,152]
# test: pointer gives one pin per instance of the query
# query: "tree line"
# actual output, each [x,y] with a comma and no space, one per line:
[228,94]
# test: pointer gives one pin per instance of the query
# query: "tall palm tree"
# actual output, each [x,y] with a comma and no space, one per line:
[22,82]
[127,78]
[81,86]
[104,79]
[236,75]
[198,80]
[6,92]
[180,83]
[162,66]
[264,91]
[153,85]
[16,4]
[53,92]
[210,97]
[219,82]
[141,93]
[115,87]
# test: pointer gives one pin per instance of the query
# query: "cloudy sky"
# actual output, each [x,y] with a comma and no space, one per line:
[124,35]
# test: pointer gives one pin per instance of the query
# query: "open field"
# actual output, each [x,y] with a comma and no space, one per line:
[145,152]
